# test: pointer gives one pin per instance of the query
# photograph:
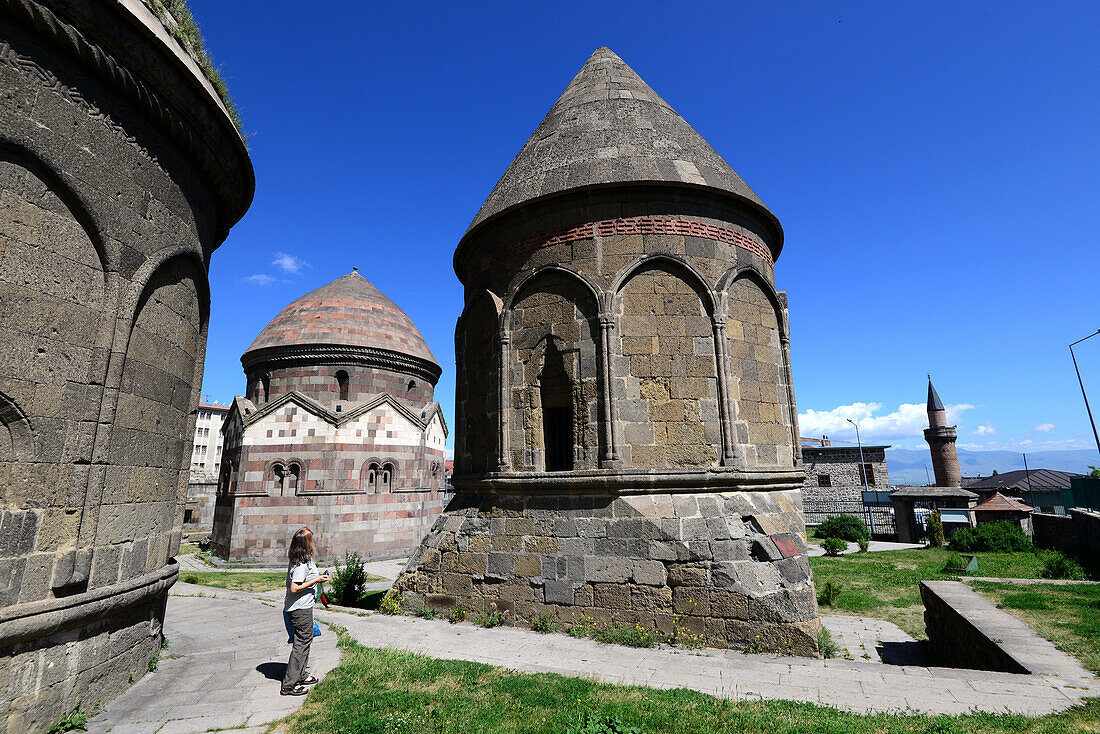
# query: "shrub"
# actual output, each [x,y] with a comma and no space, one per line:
[347,583]
[190,579]
[75,720]
[636,636]
[863,545]
[830,592]
[489,619]
[845,527]
[545,622]
[391,603]
[826,644]
[934,526]
[833,546]
[1057,565]
[426,613]
[458,614]
[1000,536]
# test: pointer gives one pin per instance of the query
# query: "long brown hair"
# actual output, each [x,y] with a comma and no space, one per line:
[301,547]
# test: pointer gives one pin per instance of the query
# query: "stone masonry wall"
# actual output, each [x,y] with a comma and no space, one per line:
[670,412]
[476,389]
[842,468]
[120,174]
[727,566]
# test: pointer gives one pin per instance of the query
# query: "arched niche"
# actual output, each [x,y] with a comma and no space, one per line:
[55,310]
[553,378]
[670,413]
[759,373]
[477,391]
[156,389]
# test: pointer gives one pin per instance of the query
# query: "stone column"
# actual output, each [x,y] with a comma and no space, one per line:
[607,425]
[725,419]
[796,440]
[504,403]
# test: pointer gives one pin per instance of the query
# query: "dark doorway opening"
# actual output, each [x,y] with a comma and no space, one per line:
[556,393]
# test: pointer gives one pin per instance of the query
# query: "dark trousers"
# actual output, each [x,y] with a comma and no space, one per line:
[302,621]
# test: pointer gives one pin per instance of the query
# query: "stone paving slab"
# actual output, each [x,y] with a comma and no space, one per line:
[232,650]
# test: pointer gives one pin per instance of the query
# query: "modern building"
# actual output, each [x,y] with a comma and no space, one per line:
[206,452]
[338,430]
[626,438]
[121,173]
[1048,490]
[1001,508]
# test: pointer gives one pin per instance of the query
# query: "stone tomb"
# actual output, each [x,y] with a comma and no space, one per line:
[625,424]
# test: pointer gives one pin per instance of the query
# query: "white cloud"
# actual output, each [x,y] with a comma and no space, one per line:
[908,421]
[1028,445]
[260,279]
[1045,427]
[985,430]
[288,263]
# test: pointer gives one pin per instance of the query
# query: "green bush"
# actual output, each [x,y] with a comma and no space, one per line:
[347,583]
[426,613]
[955,566]
[1057,565]
[458,614]
[825,644]
[934,526]
[863,545]
[834,546]
[391,602]
[845,527]
[1003,537]
[489,619]
[830,592]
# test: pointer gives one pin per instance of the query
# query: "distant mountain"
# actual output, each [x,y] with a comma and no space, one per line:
[906,466]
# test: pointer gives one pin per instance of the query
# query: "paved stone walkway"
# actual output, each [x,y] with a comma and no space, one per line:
[232,652]
[223,668]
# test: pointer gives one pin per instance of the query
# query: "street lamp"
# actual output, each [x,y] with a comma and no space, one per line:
[1086,397]
[863,473]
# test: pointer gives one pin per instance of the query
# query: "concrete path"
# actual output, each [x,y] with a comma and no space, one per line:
[222,669]
[233,650]
[814,549]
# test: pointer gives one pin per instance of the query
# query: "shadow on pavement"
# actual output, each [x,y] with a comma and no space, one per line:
[272,671]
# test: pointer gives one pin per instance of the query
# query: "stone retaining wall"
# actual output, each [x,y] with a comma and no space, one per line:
[1053,532]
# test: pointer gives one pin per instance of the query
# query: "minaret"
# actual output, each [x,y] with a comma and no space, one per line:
[941,442]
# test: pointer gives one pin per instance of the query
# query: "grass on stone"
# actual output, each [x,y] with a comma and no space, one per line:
[884,585]
[394,691]
[187,549]
[1068,616]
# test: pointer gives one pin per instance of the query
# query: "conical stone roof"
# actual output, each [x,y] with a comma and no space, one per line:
[348,312]
[934,402]
[609,127]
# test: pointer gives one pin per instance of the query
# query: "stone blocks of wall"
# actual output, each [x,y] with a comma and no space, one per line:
[728,566]
[376,526]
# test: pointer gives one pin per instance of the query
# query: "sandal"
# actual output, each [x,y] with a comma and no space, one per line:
[298,690]
[308,681]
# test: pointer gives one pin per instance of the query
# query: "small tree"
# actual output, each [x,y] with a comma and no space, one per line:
[935,529]
[1095,473]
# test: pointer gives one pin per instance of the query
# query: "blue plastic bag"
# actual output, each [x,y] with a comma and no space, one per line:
[290,628]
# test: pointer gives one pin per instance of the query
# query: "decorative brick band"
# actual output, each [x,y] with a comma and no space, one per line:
[610,227]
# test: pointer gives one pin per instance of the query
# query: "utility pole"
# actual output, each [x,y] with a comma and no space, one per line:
[1095,436]
[1030,491]
[863,475]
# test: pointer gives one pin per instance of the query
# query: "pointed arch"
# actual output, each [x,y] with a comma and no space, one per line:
[753,273]
[16,434]
[566,270]
[478,385]
[677,266]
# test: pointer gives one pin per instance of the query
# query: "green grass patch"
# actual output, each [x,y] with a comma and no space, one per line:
[884,584]
[187,549]
[383,691]
[1068,616]
[236,581]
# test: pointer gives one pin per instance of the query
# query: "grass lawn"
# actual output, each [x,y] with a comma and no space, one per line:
[393,691]
[244,580]
[1068,616]
[883,585]
[187,549]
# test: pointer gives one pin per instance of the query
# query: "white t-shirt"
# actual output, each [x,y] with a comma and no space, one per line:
[299,574]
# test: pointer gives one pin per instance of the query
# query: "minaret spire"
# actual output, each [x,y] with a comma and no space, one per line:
[941,442]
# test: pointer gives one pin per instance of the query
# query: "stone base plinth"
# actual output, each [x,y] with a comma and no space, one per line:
[729,566]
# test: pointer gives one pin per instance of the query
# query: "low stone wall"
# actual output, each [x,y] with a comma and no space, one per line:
[1086,536]
[1053,532]
[965,630]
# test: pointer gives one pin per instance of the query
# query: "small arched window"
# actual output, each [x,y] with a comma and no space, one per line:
[264,389]
[294,472]
[278,477]
[342,384]
[411,386]
[386,482]
[435,484]
[374,473]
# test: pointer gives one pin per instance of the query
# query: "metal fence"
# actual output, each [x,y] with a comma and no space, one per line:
[877,516]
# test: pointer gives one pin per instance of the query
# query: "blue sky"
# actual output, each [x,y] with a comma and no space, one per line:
[935,166]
